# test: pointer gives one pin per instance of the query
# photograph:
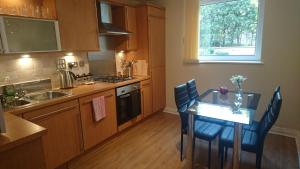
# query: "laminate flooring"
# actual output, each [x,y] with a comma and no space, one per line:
[155,144]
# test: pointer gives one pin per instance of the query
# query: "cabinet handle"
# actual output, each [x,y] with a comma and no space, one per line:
[52,113]
[91,100]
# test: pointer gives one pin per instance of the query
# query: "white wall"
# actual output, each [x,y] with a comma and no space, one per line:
[280,53]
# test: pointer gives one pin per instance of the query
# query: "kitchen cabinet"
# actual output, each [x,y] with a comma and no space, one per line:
[78,25]
[151,40]
[44,9]
[63,140]
[130,18]
[156,42]
[146,96]
[159,88]
[96,132]
[125,17]
[156,35]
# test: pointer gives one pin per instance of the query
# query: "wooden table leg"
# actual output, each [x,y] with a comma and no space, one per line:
[237,145]
[188,162]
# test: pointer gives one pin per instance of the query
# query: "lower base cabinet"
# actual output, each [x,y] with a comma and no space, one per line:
[158,88]
[96,132]
[146,96]
[63,139]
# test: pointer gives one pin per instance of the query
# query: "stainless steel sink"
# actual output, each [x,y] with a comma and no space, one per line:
[49,95]
[18,103]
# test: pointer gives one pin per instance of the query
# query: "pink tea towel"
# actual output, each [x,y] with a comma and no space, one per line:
[99,108]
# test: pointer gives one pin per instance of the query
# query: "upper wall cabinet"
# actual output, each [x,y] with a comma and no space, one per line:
[131,27]
[78,25]
[125,17]
[29,8]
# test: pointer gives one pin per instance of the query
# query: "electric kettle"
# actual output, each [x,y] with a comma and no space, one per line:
[67,79]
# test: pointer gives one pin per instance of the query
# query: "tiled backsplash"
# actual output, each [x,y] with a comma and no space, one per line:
[37,66]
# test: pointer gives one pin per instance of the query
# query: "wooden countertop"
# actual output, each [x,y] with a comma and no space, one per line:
[80,91]
[19,131]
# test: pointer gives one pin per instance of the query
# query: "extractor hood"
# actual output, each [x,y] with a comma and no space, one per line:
[105,24]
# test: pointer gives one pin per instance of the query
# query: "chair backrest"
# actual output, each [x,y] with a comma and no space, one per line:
[277,89]
[192,90]
[182,102]
[271,116]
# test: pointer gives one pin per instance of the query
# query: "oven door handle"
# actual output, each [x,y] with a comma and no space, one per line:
[124,96]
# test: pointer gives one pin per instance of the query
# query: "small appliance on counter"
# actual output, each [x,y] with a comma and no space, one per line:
[67,79]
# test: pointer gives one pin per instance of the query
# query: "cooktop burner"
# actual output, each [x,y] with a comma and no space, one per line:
[111,79]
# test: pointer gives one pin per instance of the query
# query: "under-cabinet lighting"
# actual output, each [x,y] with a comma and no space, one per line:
[25,56]
[69,54]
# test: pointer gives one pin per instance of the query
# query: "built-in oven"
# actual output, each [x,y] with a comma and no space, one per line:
[128,102]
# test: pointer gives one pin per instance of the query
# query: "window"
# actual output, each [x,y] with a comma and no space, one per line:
[230,30]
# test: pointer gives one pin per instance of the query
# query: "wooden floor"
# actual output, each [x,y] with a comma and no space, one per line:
[154,144]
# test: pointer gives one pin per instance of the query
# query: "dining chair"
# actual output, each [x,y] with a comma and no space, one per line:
[253,141]
[255,124]
[202,129]
[194,97]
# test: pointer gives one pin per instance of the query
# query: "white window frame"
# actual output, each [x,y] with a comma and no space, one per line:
[239,58]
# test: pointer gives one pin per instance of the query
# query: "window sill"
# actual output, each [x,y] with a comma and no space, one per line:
[224,62]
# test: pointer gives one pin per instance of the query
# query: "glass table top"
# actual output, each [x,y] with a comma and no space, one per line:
[213,104]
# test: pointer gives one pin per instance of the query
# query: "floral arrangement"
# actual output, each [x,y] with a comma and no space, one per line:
[238,80]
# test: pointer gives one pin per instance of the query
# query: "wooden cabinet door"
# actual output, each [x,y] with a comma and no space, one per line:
[96,132]
[156,34]
[63,140]
[131,27]
[156,41]
[78,25]
[146,93]
[44,9]
[158,88]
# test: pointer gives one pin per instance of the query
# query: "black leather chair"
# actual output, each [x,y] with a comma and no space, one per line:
[253,141]
[194,97]
[202,129]
[255,124]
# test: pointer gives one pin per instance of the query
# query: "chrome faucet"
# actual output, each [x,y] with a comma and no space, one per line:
[20,92]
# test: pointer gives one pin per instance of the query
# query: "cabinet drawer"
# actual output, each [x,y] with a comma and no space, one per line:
[50,110]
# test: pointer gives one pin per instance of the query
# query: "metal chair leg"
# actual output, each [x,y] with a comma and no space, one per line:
[222,156]
[219,150]
[193,149]
[258,160]
[226,152]
[209,154]
[181,146]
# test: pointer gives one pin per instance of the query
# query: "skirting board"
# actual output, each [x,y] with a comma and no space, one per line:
[275,130]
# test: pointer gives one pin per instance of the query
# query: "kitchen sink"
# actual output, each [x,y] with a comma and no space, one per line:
[17,103]
[49,95]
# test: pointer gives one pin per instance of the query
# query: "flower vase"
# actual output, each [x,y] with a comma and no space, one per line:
[238,100]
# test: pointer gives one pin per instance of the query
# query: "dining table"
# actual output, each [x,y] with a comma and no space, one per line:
[214,104]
